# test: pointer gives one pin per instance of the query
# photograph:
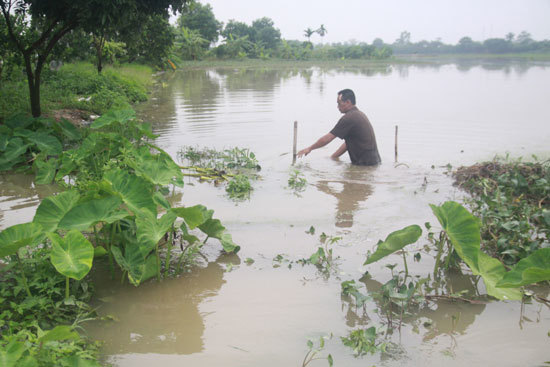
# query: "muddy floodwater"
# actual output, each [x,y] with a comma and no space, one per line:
[260,306]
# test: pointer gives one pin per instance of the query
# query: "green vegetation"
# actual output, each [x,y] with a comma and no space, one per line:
[236,166]
[297,181]
[364,341]
[79,87]
[313,351]
[116,183]
[512,198]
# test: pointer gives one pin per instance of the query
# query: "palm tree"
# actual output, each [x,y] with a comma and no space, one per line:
[322,31]
[308,33]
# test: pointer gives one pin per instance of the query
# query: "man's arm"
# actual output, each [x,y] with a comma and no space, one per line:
[343,148]
[321,142]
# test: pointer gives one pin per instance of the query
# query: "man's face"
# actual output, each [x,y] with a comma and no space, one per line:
[343,106]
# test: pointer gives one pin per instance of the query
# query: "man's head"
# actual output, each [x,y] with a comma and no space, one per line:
[345,100]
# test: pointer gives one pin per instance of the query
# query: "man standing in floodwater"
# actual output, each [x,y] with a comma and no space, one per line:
[355,128]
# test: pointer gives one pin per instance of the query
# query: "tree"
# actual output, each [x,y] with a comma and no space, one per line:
[308,32]
[190,42]
[322,31]
[263,31]
[404,38]
[236,29]
[199,17]
[509,37]
[378,42]
[45,22]
[524,37]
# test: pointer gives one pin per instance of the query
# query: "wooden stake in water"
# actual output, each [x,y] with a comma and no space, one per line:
[295,142]
[396,128]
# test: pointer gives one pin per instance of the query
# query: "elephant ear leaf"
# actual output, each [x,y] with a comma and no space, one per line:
[394,242]
[71,256]
[136,192]
[193,216]
[532,269]
[19,235]
[463,230]
[112,117]
[89,213]
[53,208]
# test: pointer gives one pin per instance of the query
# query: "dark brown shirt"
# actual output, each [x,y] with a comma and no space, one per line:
[355,128]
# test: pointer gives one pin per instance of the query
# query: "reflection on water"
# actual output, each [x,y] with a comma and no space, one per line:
[161,318]
[350,192]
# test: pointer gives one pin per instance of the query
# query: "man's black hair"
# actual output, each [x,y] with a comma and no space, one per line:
[347,95]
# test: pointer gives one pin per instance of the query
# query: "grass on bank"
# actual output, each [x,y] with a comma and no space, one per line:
[79,86]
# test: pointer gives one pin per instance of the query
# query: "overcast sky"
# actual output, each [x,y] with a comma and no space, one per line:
[365,20]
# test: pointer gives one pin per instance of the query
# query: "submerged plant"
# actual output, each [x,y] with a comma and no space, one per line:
[364,341]
[297,181]
[239,187]
[312,352]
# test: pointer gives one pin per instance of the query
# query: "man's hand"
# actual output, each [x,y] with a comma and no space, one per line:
[303,152]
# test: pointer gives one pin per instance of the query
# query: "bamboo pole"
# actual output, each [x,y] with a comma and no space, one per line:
[295,142]
[396,129]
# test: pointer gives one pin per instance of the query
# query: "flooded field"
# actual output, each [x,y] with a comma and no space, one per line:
[259,307]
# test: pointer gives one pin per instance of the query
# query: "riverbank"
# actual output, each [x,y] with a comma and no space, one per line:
[77,90]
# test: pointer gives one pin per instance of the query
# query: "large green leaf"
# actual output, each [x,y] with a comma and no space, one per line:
[136,192]
[60,332]
[19,235]
[159,169]
[113,116]
[68,129]
[139,268]
[85,215]
[194,216]
[19,120]
[4,139]
[14,150]
[213,228]
[228,244]
[11,353]
[71,256]
[46,143]
[492,271]
[150,230]
[464,233]
[45,171]
[532,269]
[78,361]
[53,208]
[394,242]
[463,230]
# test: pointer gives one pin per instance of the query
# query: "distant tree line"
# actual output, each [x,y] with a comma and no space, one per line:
[511,43]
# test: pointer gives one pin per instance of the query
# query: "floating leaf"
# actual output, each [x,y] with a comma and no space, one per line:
[85,215]
[394,242]
[19,235]
[71,256]
[53,208]
[532,269]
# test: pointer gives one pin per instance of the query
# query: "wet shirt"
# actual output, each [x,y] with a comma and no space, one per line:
[355,128]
